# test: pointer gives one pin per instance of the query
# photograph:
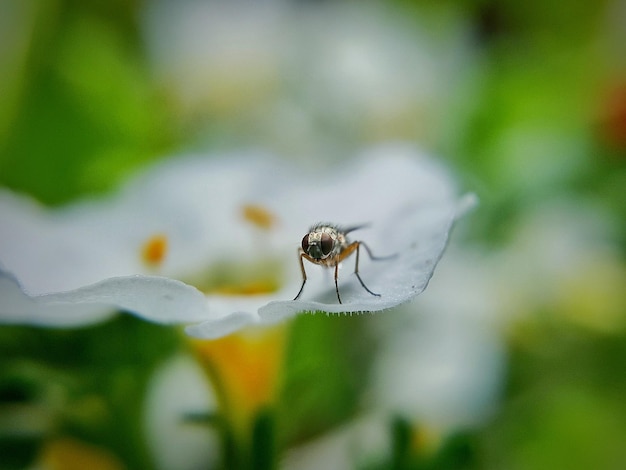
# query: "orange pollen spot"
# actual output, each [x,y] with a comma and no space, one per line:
[154,250]
[259,216]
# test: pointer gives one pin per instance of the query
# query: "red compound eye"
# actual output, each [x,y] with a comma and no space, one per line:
[305,243]
[327,244]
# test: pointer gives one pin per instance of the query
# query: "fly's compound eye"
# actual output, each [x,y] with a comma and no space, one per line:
[305,243]
[314,250]
[326,244]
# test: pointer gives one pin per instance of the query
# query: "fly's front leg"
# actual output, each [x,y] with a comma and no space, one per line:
[301,255]
[336,285]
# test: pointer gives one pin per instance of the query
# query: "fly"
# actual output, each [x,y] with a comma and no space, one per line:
[327,245]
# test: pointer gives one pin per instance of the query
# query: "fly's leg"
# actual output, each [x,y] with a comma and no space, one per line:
[336,285]
[302,255]
[356,266]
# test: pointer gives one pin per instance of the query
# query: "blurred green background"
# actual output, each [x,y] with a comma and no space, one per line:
[526,101]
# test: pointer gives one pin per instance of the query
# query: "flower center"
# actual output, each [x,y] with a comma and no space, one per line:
[228,278]
[257,277]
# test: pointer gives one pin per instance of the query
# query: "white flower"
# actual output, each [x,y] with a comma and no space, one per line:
[354,444]
[563,257]
[309,80]
[75,265]
[442,363]
[178,391]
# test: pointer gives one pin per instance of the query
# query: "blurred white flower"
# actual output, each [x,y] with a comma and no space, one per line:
[307,80]
[564,258]
[442,362]
[178,391]
[355,444]
[215,55]
[200,240]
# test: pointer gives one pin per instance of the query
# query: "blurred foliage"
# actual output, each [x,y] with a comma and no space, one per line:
[564,406]
[88,383]
[85,111]
[326,367]
[80,110]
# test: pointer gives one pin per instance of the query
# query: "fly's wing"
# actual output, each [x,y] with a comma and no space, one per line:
[352,228]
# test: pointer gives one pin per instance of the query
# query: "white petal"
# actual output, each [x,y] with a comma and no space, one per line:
[18,308]
[153,298]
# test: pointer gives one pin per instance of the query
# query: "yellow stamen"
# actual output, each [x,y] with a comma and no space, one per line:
[258,216]
[154,250]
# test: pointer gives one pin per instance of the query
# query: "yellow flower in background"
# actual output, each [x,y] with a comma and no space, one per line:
[71,454]
[246,369]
